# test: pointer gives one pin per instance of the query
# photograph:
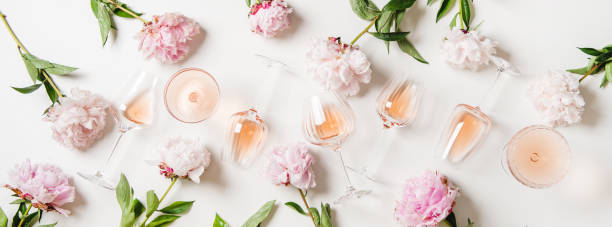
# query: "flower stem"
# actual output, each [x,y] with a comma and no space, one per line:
[160,199]
[364,30]
[119,6]
[589,72]
[307,207]
[21,47]
[25,215]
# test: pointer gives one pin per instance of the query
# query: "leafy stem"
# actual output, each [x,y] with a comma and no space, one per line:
[461,17]
[365,30]
[589,72]
[21,47]
[119,6]
[307,207]
[174,179]
[25,215]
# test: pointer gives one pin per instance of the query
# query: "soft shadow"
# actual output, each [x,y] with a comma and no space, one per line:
[318,167]
[195,45]
[379,78]
[79,201]
[413,15]
[591,110]
[464,208]
[213,173]
[296,22]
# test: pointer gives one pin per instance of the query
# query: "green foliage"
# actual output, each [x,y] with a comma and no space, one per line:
[103,10]
[600,60]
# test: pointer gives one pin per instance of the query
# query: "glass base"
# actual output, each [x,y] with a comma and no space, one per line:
[364,172]
[351,193]
[97,179]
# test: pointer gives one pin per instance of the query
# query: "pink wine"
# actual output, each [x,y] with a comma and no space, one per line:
[245,136]
[140,109]
[538,156]
[397,103]
[467,128]
[191,95]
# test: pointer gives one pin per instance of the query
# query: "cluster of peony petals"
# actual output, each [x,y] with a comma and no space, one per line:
[45,185]
[425,200]
[557,98]
[78,121]
[166,36]
[337,66]
[291,164]
[467,50]
[183,158]
[269,17]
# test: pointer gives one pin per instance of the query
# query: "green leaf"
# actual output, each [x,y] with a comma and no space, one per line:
[58,69]
[3,219]
[47,225]
[25,90]
[430,1]
[453,22]
[295,207]
[470,223]
[18,201]
[31,219]
[138,208]
[444,7]
[123,193]
[53,96]
[604,82]
[395,5]
[590,51]
[608,48]
[608,74]
[450,220]
[603,57]
[32,70]
[477,26]
[177,207]
[408,48]
[466,14]
[248,2]
[315,215]
[37,62]
[219,222]
[163,220]
[152,202]
[123,14]
[325,216]
[390,36]
[580,71]
[128,220]
[365,9]
[384,24]
[260,215]
[399,17]
[94,7]
[104,21]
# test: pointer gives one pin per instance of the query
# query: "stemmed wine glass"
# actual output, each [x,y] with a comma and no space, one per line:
[328,121]
[136,109]
[397,106]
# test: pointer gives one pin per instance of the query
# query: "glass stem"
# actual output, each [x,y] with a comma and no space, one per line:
[348,179]
[110,156]
[489,96]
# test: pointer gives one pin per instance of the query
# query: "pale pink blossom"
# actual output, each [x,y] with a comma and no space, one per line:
[166,37]
[467,49]
[337,66]
[269,18]
[45,185]
[557,98]
[425,200]
[291,164]
[78,121]
[183,158]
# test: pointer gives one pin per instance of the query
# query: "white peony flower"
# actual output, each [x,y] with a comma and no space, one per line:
[467,50]
[184,158]
[557,98]
[337,66]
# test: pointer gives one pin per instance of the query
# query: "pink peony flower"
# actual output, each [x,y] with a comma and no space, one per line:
[557,98]
[269,17]
[45,185]
[291,164]
[166,36]
[183,158]
[337,66]
[426,201]
[467,50]
[78,121]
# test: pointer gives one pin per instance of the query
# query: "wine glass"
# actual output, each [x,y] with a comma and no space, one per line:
[397,106]
[191,95]
[136,109]
[328,121]
[537,156]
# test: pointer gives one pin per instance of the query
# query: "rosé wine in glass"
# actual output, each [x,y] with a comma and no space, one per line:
[191,95]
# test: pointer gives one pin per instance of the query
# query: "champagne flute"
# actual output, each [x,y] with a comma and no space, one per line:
[397,106]
[136,109]
[328,121]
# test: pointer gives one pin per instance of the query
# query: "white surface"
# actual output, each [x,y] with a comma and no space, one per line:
[534,35]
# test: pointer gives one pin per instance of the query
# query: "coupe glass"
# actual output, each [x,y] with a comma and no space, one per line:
[328,121]
[191,95]
[397,106]
[537,156]
[136,104]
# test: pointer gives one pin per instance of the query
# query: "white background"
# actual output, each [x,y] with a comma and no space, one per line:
[534,35]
